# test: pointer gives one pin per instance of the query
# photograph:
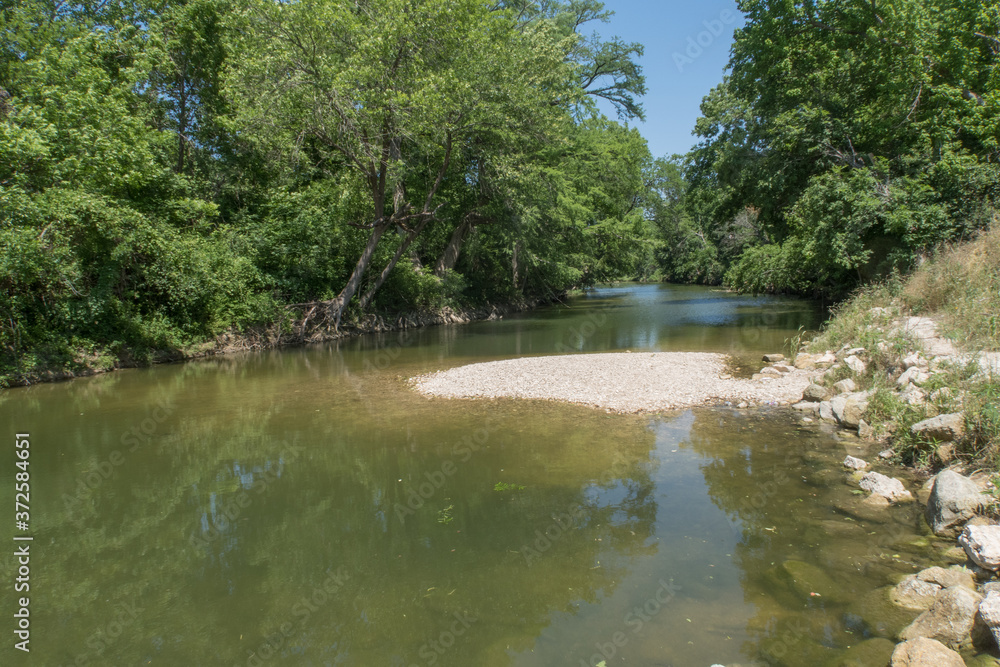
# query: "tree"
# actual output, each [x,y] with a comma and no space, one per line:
[365,86]
[863,103]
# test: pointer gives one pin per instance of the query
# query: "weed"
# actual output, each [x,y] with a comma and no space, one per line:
[444,515]
[505,486]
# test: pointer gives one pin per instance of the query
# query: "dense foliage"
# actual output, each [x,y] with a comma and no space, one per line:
[174,169]
[849,138]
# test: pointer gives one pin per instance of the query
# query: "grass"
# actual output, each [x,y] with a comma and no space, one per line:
[960,284]
[959,287]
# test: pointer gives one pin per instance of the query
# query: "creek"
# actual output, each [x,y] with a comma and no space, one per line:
[305,507]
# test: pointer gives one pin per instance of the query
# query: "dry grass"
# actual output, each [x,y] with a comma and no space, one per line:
[960,285]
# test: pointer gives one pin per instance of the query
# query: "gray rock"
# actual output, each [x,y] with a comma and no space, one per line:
[856,365]
[914,360]
[954,500]
[837,404]
[855,463]
[783,368]
[982,545]
[913,395]
[914,593]
[887,487]
[853,409]
[886,454]
[944,428]
[815,393]
[826,412]
[806,406]
[845,386]
[774,358]
[770,370]
[924,652]
[945,454]
[865,431]
[914,375]
[948,577]
[942,394]
[925,330]
[826,360]
[856,351]
[918,591]
[989,614]
[804,360]
[949,619]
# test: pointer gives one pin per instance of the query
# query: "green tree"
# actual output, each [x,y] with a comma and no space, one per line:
[365,86]
[849,120]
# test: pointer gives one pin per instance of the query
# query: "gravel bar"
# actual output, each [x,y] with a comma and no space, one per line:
[621,381]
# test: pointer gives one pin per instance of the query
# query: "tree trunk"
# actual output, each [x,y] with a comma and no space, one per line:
[182,122]
[367,297]
[515,268]
[450,255]
[336,307]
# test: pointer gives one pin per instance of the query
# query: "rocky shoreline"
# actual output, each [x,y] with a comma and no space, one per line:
[959,603]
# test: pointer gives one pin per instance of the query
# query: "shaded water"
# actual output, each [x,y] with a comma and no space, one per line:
[304,507]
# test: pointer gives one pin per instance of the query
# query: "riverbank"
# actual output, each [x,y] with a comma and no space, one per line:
[280,334]
[910,368]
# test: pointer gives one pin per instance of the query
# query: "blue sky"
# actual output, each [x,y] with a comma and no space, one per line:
[684,60]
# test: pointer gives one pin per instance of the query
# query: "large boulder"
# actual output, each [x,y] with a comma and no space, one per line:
[989,614]
[838,404]
[815,393]
[845,386]
[918,591]
[949,619]
[982,545]
[854,409]
[954,500]
[889,488]
[855,463]
[943,428]
[856,364]
[924,652]
[848,408]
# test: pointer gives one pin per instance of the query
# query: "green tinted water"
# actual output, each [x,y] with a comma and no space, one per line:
[304,507]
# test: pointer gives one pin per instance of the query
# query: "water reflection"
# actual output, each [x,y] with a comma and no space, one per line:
[305,507]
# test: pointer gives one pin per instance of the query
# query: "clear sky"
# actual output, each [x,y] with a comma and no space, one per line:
[684,60]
